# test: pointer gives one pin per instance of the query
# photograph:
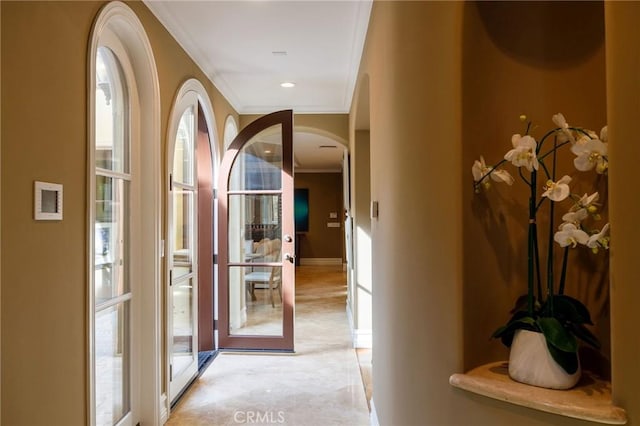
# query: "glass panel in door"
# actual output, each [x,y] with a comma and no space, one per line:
[256,228]
[183,352]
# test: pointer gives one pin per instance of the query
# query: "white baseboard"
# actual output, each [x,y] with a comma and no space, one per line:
[350,318]
[164,412]
[373,416]
[320,261]
[359,338]
[362,338]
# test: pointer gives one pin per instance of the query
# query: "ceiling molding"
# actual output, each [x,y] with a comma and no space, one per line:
[242,67]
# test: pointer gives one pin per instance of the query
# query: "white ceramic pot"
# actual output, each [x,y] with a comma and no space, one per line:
[530,362]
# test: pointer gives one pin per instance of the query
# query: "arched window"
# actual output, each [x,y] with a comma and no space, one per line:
[190,235]
[123,249]
[113,245]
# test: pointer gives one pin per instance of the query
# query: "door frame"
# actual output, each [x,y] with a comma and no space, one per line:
[285,342]
[203,102]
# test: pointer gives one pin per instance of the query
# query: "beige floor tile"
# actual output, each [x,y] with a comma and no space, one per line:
[319,385]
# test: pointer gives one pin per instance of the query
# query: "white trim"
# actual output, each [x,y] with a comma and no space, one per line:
[350,318]
[373,415]
[359,338]
[164,411]
[117,18]
[230,131]
[185,100]
[362,338]
[320,261]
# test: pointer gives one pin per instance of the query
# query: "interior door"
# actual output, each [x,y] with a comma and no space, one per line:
[256,228]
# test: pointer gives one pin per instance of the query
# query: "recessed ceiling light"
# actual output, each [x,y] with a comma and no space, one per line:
[267,151]
[287,84]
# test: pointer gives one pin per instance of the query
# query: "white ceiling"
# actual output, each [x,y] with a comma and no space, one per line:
[247,48]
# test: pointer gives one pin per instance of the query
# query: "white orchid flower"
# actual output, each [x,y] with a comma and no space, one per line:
[570,235]
[575,217]
[480,169]
[523,152]
[560,121]
[557,191]
[587,202]
[590,154]
[604,134]
[600,239]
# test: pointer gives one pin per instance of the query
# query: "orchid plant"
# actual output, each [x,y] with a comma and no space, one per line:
[559,317]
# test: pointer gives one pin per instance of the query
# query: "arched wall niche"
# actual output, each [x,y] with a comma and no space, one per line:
[511,76]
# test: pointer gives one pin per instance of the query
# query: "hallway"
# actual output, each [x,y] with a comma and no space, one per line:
[318,385]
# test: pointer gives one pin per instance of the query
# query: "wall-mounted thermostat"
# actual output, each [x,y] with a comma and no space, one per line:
[47,201]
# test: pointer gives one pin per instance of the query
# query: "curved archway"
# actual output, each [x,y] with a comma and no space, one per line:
[117,24]
[321,132]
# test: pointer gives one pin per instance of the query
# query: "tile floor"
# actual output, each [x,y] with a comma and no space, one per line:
[319,385]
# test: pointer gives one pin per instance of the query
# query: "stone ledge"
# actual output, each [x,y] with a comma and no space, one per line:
[589,400]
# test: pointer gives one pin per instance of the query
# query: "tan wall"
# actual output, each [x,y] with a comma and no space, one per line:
[623,91]
[325,196]
[44,294]
[444,82]
[513,75]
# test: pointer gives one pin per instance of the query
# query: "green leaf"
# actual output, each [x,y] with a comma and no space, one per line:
[521,304]
[557,335]
[572,309]
[581,332]
[519,321]
[567,360]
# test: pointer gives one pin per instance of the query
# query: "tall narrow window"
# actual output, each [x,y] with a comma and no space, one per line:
[183,295]
[112,281]
[124,241]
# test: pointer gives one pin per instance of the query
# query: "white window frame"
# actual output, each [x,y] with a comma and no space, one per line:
[118,26]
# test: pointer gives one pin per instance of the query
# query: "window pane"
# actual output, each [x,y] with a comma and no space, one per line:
[183,244]
[182,348]
[112,134]
[258,165]
[112,361]
[253,220]
[255,301]
[183,159]
[111,238]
